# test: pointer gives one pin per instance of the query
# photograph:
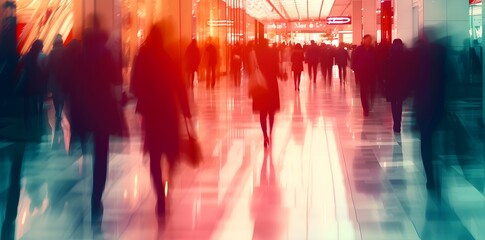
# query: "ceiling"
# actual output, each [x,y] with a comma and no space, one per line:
[297,10]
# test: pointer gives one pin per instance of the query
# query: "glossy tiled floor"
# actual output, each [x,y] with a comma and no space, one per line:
[330,174]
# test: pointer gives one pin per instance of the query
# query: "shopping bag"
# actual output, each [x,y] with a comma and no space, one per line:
[190,148]
[257,81]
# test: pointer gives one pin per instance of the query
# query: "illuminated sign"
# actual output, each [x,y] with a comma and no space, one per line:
[220,23]
[339,20]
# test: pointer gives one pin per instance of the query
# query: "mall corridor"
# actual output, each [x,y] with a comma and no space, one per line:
[330,174]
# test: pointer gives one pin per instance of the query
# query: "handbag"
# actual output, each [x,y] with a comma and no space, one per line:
[257,81]
[190,148]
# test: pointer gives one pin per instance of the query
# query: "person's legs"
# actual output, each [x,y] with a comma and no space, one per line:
[208,77]
[298,80]
[271,122]
[396,107]
[315,66]
[363,97]
[262,120]
[310,71]
[213,76]
[344,72]
[100,171]
[157,181]
[295,79]
[427,156]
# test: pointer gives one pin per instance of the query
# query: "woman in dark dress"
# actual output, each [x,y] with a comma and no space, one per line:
[267,101]
[158,85]
[398,81]
[297,58]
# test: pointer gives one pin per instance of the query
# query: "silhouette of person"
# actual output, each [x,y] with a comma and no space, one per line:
[212,58]
[430,63]
[312,60]
[327,57]
[34,85]
[54,65]
[297,58]
[236,64]
[341,59]
[192,61]
[398,82]
[267,101]
[364,62]
[159,87]
[93,105]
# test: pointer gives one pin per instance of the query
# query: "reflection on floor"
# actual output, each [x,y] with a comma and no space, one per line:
[330,174]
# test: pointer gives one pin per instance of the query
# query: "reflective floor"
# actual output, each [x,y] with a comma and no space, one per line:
[330,174]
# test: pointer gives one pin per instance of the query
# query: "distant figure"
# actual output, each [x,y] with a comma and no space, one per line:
[341,59]
[312,57]
[297,58]
[326,60]
[430,64]
[398,80]
[55,67]
[159,87]
[236,64]
[267,101]
[211,57]
[192,61]
[35,88]
[364,63]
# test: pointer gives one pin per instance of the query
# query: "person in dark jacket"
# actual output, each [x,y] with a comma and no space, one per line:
[157,84]
[312,57]
[95,106]
[297,58]
[397,80]
[54,65]
[236,63]
[192,61]
[341,59]
[35,88]
[326,58]
[211,56]
[267,101]
[430,63]
[364,63]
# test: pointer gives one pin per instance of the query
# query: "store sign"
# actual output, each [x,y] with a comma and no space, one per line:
[339,20]
[220,23]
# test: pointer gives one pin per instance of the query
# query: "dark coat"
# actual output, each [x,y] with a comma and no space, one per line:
[341,57]
[398,80]
[55,65]
[34,77]
[94,106]
[327,55]
[430,63]
[297,59]
[211,55]
[158,85]
[312,54]
[192,57]
[364,62]
[268,100]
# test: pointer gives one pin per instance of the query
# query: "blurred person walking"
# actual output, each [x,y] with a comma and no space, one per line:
[341,59]
[236,64]
[266,99]
[430,65]
[297,58]
[398,80]
[34,85]
[211,58]
[326,61]
[94,108]
[159,87]
[312,57]
[55,65]
[364,63]
[192,61]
